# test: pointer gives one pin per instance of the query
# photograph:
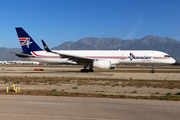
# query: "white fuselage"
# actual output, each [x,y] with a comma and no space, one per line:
[116,57]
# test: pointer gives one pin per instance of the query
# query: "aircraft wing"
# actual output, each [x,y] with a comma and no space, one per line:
[78,59]
[75,58]
[21,54]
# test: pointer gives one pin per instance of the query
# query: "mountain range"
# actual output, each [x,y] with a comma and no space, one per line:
[165,44]
[7,56]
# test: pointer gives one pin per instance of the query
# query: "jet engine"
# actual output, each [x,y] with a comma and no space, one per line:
[102,64]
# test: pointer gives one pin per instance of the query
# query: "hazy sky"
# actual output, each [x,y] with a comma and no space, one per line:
[58,21]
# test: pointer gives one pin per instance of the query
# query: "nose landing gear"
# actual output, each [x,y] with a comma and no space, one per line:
[153,69]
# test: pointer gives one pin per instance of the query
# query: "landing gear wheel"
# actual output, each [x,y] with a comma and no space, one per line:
[84,70]
[87,70]
[152,71]
[91,70]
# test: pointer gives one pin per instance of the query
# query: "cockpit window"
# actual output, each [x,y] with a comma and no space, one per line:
[166,56]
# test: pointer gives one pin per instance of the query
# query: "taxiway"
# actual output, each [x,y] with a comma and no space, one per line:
[68,72]
[71,108]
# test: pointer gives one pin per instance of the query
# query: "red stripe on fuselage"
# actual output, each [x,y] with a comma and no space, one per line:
[161,57]
[44,55]
[115,57]
[100,57]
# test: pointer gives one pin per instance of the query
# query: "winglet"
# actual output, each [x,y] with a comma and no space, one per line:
[45,46]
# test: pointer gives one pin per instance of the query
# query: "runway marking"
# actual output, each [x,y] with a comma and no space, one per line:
[44,103]
[55,116]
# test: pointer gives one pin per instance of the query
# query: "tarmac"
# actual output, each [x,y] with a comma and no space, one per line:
[68,72]
[72,108]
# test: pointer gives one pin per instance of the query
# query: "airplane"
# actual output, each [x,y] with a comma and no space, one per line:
[100,59]
[5,63]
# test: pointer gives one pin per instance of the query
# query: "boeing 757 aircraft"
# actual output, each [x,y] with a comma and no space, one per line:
[100,59]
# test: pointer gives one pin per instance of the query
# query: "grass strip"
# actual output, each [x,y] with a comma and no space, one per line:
[168,97]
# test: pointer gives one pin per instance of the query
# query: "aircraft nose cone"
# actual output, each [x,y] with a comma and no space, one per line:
[172,60]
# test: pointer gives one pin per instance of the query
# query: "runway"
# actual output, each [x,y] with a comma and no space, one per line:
[76,108]
[71,108]
[68,72]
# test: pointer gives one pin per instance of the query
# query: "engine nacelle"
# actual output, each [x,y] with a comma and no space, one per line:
[102,64]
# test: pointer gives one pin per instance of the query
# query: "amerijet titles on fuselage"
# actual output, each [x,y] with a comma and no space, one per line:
[131,57]
[100,59]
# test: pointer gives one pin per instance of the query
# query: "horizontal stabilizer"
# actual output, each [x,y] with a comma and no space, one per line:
[22,54]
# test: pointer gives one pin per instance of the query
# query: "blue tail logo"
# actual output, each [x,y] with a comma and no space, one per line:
[27,43]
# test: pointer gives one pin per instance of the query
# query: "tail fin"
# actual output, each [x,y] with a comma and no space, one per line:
[26,42]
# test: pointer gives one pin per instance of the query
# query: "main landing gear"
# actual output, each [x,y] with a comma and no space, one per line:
[87,70]
[153,69]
